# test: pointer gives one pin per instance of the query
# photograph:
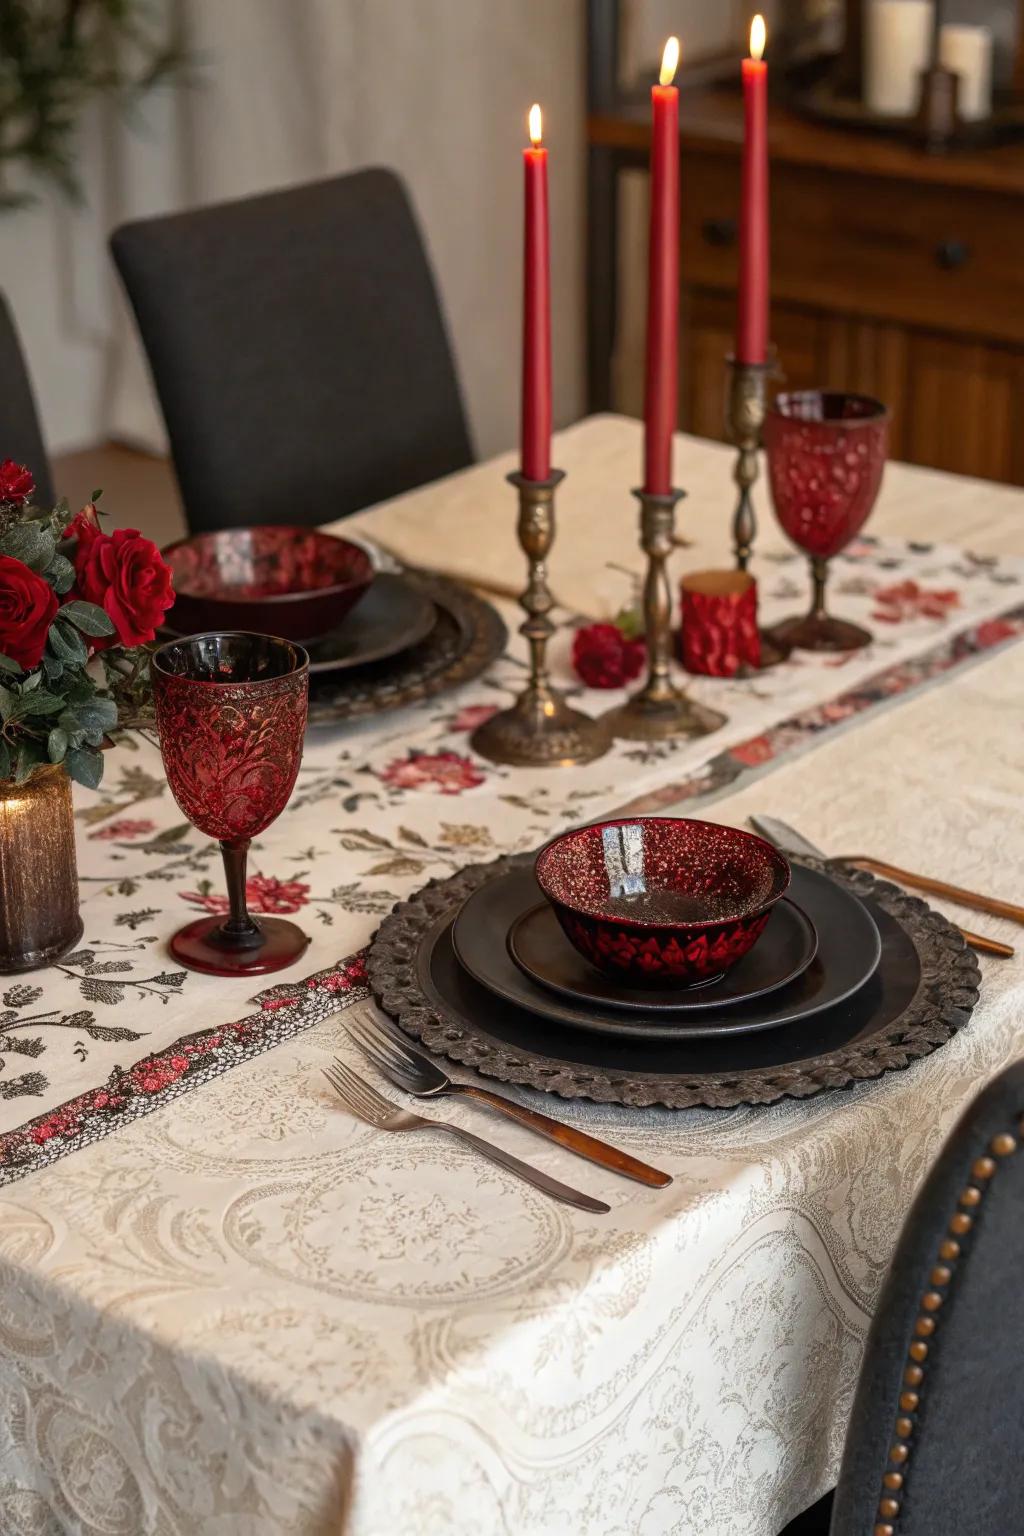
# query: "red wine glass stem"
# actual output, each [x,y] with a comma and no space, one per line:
[819,575]
[238,927]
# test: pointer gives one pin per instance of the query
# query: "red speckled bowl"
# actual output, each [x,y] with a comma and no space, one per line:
[297,583]
[660,900]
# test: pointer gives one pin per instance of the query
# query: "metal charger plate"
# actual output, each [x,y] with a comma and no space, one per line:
[923,991]
[468,635]
[393,615]
[537,945]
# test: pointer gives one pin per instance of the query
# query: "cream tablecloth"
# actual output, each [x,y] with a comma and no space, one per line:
[245,1313]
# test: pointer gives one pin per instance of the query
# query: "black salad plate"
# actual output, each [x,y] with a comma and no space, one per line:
[848,953]
[392,616]
[542,952]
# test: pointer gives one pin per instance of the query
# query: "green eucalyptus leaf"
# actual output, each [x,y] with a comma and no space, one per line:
[5,760]
[68,722]
[53,668]
[60,573]
[24,542]
[85,766]
[32,681]
[98,714]
[67,644]
[88,617]
[40,702]
[8,664]
[57,744]
[28,758]
[9,703]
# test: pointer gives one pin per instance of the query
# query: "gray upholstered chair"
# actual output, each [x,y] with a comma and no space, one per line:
[936,1439]
[935,1444]
[21,437]
[299,351]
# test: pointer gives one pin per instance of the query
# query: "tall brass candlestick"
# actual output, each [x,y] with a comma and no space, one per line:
[659,710]
[540,730]
[744,421]
[745,411]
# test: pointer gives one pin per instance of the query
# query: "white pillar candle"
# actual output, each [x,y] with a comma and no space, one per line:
[897,47]
[967,51]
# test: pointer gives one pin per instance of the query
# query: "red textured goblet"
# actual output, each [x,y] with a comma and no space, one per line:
[826,453]
[231,711]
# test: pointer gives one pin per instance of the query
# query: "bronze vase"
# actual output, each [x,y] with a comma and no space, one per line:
[39,918]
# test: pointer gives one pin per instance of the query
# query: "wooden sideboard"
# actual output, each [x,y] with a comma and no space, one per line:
[893,272]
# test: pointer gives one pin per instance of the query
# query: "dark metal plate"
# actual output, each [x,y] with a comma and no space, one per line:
[393,615]
[538,946]
[468,635]
[924,989]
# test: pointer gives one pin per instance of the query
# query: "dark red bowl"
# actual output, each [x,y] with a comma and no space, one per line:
[660,900]
[297,583]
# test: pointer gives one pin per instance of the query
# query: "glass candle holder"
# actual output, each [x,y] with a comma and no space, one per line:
[39,918]
[719,636]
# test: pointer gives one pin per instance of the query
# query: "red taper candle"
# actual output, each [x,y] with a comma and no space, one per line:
[535,424]
[662,382]
[752,306]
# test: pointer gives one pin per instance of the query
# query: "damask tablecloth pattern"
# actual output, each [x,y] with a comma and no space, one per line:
[247,1313]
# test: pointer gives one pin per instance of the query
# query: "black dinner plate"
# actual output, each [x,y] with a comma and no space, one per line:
[541,950]
[393,616]
[867,1011]
[848,953]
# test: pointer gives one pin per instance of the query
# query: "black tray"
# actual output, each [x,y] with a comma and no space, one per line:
[924,990]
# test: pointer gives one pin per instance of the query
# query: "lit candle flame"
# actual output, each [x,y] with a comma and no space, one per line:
[758,33]
[536,127]
[669,61]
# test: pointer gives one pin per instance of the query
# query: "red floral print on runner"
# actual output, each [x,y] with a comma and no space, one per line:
[909,600]
[122,831]
[447,772]
[473,715]
[263,893]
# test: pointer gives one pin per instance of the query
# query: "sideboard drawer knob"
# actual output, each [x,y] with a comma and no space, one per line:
[720,232]
[951,254]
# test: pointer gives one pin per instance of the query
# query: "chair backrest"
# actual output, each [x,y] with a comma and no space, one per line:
[936,1438]
[21,437]
[298,348]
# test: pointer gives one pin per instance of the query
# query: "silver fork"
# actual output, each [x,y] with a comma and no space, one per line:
[409,1069]
[367,1104]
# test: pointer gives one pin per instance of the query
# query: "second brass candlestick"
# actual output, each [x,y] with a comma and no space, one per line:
[745,412]
[659,710]
[540,730]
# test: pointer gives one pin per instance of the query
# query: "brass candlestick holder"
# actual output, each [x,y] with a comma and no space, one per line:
[744,419]
[659,710]
[540,730]
[745,411]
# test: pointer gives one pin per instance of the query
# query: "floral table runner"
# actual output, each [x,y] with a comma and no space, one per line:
[116,1028]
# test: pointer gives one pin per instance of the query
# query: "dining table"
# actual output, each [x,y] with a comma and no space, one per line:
[229,1307]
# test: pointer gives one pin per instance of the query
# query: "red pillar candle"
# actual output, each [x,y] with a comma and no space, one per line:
[662,382]
[752,308]
[535,458]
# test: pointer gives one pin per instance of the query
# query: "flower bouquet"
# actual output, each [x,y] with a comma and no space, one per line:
[78,608]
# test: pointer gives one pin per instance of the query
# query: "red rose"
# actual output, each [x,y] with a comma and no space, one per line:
[604,658]
[16,483]
[28,605]
[124,574]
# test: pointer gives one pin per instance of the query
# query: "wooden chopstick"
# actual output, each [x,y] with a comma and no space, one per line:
[986,946]
[957,893]
[991,904]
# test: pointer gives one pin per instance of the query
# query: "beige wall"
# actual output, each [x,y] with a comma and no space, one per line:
[296,89]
